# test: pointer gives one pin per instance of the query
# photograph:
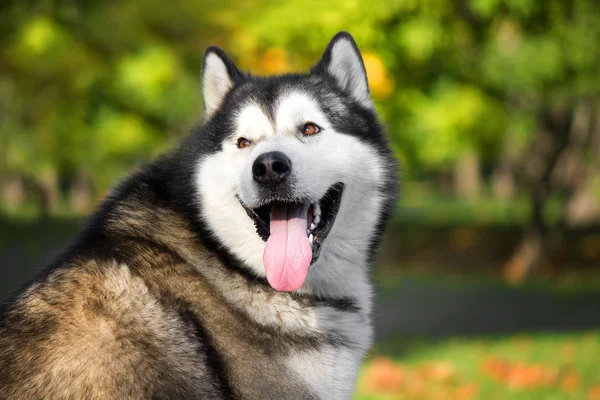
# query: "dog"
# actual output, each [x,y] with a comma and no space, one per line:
[236,266]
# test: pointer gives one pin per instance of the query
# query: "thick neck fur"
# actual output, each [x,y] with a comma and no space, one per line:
[145,208]
[319,340]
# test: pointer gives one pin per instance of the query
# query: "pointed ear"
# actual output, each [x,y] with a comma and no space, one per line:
[219,75]
[342,61]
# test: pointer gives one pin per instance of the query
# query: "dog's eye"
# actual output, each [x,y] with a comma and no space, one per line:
[310,129]
[243,142]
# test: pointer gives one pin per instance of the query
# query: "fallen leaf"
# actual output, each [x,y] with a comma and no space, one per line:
[519,375]
[466,391]
[570,382]
[594,393]
[440,371]
[384,376]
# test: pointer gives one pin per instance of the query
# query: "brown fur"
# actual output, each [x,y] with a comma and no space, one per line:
[147,326]
[152,301]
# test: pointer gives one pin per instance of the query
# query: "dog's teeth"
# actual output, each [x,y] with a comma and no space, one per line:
[316,220]
[311,238]
[313,226]
[316,210]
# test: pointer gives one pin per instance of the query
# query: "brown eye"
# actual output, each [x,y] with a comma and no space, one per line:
[243,142]
[310,129]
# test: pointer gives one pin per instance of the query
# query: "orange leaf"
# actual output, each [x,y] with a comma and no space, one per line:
[466,391]
[274,61]
[441,371]
[384,376]
[570,382]
[594,393]
[380,81]
[519,375]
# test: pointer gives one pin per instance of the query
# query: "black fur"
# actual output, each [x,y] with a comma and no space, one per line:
[168,184]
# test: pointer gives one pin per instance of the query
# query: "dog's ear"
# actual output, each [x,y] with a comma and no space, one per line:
[219,75]
[342,61]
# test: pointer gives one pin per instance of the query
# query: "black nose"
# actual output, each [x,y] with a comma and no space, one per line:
[271,168]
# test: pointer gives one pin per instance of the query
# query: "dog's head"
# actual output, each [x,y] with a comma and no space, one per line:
[298,177]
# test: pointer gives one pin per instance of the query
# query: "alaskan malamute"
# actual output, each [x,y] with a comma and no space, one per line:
[234,267]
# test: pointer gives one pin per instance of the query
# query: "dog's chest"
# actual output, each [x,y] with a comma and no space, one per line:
[309,341]
[331,370]
[330,340]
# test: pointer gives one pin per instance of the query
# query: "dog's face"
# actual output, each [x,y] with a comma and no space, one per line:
[300,172]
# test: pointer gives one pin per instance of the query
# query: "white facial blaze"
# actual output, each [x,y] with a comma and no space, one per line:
[293,110]
[318,162]
[253,124]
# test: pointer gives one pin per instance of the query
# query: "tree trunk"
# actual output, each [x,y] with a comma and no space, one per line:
[503,183]
[553,166]
[526,257]
[49,191]
[81,195]
[583,209]
[44,191]
[467,177]
[13,192]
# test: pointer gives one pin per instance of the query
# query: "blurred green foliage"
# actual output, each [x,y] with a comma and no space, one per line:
[89,89]
[467,75]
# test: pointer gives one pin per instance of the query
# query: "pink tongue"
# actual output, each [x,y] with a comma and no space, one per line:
[288,252]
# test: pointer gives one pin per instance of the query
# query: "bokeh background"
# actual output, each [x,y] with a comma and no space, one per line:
[488,284]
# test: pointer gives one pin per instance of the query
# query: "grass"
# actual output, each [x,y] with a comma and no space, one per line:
[519,367]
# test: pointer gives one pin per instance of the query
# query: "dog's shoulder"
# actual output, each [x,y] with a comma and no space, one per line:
[102,318]
[98,328]
[102,327]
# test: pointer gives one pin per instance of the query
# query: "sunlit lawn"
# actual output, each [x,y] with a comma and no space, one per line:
[523,366]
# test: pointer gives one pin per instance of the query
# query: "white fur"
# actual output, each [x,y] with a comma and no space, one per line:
[318,162]
[216,82]
[347,68]
[253,124]
[331,372]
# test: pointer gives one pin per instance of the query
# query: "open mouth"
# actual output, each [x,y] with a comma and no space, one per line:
[320,216]
[294,232]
